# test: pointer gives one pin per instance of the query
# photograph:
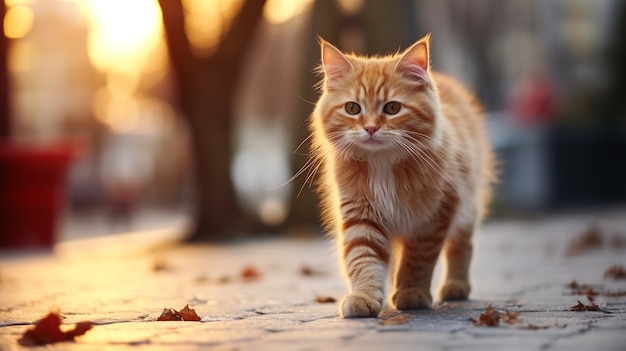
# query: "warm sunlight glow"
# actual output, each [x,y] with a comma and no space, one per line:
[350,7]
[18,21]
[280,11]
[10,3]
[126,44]
[122,33]
[206,21]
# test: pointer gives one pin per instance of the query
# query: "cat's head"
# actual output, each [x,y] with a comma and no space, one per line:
[378,105]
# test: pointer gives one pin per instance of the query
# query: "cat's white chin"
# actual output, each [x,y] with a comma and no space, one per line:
[373,145]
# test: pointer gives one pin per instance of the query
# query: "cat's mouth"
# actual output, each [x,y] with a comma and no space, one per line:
[372,143]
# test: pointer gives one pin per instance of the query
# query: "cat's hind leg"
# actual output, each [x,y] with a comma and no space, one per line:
[457,254]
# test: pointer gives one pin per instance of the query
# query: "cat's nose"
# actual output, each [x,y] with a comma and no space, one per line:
[371,130]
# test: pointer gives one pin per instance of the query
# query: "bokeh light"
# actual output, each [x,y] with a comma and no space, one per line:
[18,21]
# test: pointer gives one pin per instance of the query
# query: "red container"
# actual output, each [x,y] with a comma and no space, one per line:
[32,189]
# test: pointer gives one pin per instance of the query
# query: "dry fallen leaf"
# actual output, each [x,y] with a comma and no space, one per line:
[510,317]
[225,279]
[306,271]
[582,307]
[189,314]
[491,318]
[250,273]
[161,265]
[399,319]
[48,331]
[201,279]
[325,299]
[169,314]
[310,272]
[615,272]
[589,239]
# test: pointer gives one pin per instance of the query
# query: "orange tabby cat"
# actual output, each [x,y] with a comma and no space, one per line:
[405,163]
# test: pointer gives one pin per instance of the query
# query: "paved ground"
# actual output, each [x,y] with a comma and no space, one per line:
[122,284]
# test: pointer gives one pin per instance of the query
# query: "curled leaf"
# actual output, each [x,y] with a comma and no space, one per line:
[48,331]
[582,307]
[491,318]
[169,314]
[615,272]
[250,273]
[186,314]
[510,318]
[189,314]
[589,239]
[325,299]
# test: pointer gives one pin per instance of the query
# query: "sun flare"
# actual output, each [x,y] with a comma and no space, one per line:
[122,32]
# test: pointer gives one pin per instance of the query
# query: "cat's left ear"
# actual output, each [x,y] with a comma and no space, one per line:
[335,64]
[416,59]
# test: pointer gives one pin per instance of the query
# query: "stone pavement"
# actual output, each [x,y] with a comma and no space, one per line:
[123,286]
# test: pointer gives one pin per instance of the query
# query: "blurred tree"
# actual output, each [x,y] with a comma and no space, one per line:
[206,91]
[368,27]
[4,77]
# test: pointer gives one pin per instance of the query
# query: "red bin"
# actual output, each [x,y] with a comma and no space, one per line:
[32,190]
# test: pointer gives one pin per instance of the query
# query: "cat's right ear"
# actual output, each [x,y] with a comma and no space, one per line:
[335,64]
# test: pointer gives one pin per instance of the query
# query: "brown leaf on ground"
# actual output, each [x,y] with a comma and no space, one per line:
[491,318]
[589,239]
[189,314]
[306,271]
[48,331]
[201,279]
[250,273]
[510,318]
[592,290]
[399,319]
[161,265]
[169,315]
[615,272]
[582,289]
[582,307]
[225,279]
[325,299]
[310,272]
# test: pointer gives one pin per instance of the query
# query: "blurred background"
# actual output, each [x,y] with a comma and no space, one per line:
[120,115]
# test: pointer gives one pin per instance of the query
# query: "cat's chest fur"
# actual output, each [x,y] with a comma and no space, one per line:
[393,197]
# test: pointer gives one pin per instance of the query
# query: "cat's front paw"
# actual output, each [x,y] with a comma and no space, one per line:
[411,299]
[454,290]
[359,306]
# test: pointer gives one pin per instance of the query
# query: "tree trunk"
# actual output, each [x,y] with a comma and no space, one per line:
[206,89]
[5,119]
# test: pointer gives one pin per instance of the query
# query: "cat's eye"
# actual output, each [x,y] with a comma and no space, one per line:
[352,108]
[392,107]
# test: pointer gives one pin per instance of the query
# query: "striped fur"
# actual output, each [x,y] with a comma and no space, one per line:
[415,184]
